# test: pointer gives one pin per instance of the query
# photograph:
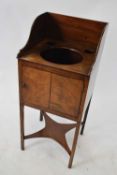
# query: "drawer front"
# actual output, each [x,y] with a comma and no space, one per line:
[35,86]
[66,95]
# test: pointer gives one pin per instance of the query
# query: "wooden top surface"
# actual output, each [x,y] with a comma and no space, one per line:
[68,32]
[84,67]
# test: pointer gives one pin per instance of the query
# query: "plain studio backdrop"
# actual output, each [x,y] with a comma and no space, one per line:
[97,148]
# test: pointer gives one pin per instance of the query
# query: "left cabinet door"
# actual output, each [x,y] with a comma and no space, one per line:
[35,86]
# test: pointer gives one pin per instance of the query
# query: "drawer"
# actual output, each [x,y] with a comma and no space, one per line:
[66,94]
[35,86]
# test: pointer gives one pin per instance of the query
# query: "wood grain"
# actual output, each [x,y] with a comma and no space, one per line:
[66,94]
[35,86]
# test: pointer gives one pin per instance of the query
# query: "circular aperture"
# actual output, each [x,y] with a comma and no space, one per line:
[61,55]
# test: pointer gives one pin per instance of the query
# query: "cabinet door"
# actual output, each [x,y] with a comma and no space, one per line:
[35,85]
[66,94]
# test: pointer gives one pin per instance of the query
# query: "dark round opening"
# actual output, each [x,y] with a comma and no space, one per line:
[61,55]
[89,50]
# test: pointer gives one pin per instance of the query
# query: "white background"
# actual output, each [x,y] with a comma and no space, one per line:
[97,149]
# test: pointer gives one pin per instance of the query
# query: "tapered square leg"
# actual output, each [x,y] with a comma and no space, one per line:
[74,145]
[41,115]
[22,126]
[85,118]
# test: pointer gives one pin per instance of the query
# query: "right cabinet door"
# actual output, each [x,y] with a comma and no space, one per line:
[66,94]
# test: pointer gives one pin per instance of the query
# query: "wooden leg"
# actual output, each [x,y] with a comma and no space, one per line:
[74,145]
[85,118]
[41,115]
[22,126]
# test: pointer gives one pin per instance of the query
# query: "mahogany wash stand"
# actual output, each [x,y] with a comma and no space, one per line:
[57,70]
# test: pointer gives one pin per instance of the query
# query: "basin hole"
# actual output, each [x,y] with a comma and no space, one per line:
[89,50]
[50,43]
[62,55]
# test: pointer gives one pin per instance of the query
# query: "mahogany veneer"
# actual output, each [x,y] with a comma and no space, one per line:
[57,69]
